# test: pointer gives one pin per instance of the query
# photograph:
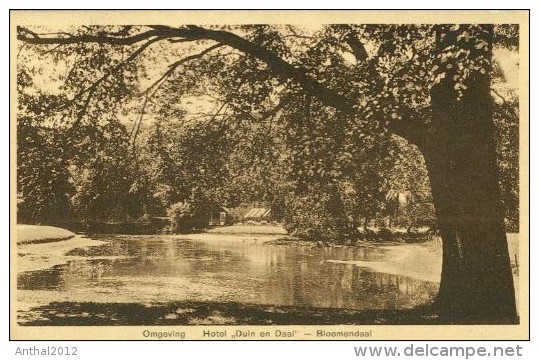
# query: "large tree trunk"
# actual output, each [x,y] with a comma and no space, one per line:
[476,283]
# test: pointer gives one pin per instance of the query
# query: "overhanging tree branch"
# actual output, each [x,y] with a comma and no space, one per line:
[277,65]
[31,37]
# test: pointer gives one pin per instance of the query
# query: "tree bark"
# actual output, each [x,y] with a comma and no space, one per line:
[476,281]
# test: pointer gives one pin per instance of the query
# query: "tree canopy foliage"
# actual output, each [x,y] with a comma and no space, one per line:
[120,122]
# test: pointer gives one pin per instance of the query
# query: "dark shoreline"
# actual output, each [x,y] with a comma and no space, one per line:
[223,313]
[214,313]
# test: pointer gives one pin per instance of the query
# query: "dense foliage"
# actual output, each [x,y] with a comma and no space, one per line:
[124,133]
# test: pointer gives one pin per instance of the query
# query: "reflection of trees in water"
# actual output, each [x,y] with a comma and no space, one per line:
[81,274]
[74,274]
[242,272]
[315,282]
[39,280]
[87,269]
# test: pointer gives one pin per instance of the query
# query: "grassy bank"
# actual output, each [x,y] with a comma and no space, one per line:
[249,230]
[378,235]
[32,234]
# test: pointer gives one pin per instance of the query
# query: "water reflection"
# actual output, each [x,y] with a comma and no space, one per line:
[158,269]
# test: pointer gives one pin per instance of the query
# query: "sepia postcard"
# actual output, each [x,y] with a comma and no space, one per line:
[269,175]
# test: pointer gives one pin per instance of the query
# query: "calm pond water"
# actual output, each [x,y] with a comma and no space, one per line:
[158,269]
